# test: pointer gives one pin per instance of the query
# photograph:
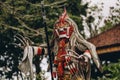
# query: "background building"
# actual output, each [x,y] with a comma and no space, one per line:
[108,44]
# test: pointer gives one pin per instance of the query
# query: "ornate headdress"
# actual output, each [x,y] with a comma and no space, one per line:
[63,27]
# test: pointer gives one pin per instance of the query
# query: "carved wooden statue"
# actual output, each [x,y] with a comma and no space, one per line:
[65,45]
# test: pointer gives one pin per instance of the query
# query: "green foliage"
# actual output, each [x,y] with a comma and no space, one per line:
[25,16]
[107,26]
[111,72]
[114,68]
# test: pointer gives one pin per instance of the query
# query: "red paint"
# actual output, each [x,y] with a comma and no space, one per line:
[39,51]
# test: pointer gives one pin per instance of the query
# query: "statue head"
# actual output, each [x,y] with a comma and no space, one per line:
[63,27]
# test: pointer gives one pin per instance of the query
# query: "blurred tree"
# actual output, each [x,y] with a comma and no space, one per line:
[113,18]
[95,18]
[92,21]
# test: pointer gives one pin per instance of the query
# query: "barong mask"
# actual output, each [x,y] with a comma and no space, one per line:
[62,27]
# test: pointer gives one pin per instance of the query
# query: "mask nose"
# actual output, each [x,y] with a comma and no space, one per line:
[61,29]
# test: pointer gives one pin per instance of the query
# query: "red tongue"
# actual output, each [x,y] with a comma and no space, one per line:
[62,32]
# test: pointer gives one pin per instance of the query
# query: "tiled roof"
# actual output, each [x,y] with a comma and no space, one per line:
[107,38]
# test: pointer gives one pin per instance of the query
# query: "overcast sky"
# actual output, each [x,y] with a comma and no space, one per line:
[105,11]
[107,4]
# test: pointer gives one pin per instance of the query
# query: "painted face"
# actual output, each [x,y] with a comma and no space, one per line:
[63,30]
